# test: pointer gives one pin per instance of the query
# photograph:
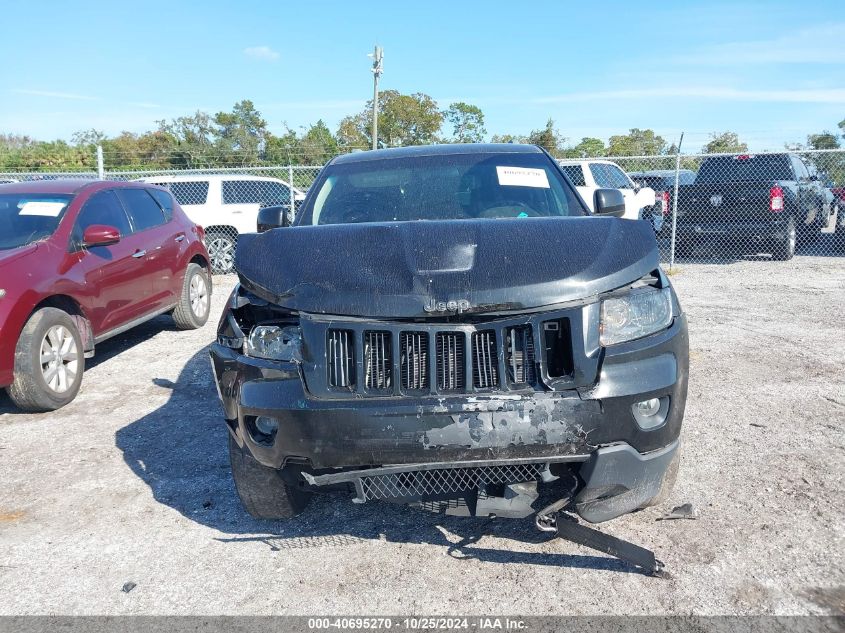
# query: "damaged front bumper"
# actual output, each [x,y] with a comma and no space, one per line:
[445,448]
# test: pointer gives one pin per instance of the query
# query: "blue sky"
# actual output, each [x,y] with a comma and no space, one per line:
[772,71]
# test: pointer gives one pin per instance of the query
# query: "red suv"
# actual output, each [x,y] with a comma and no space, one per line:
[82,261]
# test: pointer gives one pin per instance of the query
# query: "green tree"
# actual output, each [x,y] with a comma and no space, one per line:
[402,120]
[283,149]
[139,151]
[508,138]
[724,143]
[195,130]
[467,122]
[242,131]
[317,145]
[548,138]
[351,133]
[9,142]
[588,148]
[191,138]
[24,154]
[88,137]
[636,143]
[824,140]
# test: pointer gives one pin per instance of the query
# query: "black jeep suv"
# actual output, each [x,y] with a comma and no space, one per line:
[449,325]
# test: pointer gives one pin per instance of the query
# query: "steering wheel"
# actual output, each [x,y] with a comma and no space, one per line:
[509,209]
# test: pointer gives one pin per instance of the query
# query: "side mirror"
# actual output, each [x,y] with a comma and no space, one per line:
[273,217]
[609,202]
[100,235]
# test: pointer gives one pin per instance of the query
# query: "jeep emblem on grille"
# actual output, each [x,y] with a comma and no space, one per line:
[461,305]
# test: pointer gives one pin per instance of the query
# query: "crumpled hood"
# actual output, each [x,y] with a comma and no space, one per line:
[400,269]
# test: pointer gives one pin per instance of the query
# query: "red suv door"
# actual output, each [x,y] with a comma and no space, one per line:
[164,241]
[117,287]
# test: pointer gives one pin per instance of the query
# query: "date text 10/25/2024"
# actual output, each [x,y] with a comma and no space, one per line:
[418,623]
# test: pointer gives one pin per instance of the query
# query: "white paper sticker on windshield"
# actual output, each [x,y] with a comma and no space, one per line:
[522,177]
[40,207]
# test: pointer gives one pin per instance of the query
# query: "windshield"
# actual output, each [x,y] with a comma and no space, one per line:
[442,187]
[27,217]
[609,176]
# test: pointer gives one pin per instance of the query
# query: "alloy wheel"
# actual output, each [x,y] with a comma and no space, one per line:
[221,250]
[198,295]
[59,359]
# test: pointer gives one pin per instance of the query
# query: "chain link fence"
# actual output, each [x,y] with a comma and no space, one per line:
[719,208]
[707,208]
[224,201]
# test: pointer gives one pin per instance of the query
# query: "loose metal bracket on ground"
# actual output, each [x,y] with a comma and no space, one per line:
[566,527]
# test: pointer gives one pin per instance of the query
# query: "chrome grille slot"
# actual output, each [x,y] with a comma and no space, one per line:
[485,361]
[413,362]
[519,358]
[378,361]
[340,357]
[450,361]
[558,348]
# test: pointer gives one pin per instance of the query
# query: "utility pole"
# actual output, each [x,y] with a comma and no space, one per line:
[672,242]
[378,69]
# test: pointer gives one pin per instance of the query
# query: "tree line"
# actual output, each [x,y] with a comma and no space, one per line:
[241,137]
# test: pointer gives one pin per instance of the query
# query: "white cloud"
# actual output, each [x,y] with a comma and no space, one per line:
[814,95]
[816,45]
[263,53]
[53,95]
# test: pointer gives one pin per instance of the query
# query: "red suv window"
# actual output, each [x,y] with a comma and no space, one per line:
[102,208]
[142,208]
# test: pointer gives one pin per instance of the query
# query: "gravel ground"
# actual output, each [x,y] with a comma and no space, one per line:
[131,483]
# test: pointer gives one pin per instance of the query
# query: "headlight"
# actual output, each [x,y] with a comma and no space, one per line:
[275,342]
[637,314]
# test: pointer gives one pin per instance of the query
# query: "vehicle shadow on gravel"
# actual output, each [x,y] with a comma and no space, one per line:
[180,451]
[106,351]
[142,333]
[331,520]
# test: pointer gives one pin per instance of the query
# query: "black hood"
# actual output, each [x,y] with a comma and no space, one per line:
[398,269]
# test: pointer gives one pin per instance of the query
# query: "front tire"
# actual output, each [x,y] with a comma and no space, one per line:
[195,303]
[784,248]
[263,492]
[49,362]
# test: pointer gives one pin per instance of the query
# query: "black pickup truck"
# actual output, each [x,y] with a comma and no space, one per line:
[758,202]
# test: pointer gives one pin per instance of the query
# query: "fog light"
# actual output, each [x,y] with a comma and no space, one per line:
[646,408]
[266,426]
[651,413]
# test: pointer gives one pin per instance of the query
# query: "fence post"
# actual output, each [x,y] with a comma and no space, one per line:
[101,172]
[675,203]
[290,186]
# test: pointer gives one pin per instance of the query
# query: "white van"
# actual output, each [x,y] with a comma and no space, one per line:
[225,205]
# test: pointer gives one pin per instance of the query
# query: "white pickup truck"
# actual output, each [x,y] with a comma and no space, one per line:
[589,175]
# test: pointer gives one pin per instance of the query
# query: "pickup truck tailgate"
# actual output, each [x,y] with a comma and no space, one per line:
[718,203]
